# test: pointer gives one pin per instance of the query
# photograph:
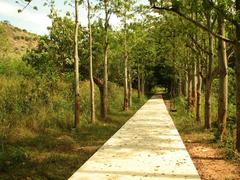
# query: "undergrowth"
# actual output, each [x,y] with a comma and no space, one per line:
[36,119]
[192,131]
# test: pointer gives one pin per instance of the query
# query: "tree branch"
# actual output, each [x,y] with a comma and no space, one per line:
[199,46]
[194,22]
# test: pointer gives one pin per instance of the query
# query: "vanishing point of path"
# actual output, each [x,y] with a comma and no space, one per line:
[148,146]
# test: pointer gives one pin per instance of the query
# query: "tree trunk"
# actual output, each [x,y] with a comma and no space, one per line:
[139,81]
[199,86]
[100,85]
[76,67]
[126,93]
[184,85]
[237,52]
[179,87]
[130,88]
[105,79]
[190,108]
[142,82]
[223,81]
[208,90]
[194,91]
[92,93]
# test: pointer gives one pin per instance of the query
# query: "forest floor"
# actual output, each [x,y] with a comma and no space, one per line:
[210,160]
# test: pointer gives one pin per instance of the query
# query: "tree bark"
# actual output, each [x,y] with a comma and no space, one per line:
[194,91]
[126,92]
[139,81]
[76,67]
[223,81]
[208,90]
[199,86]
[92,90]
[100,85]
[130,87]
[185,85]
[237,52]
[179,87]
[105,79]
[142,83]
[190,108]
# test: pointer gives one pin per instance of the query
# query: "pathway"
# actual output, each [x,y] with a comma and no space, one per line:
[148,146]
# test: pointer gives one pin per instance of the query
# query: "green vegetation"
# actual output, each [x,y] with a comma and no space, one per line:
[48,102]
[36,114]
[37,111]
[194,132]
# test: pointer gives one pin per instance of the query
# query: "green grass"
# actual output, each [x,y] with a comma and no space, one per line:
[192,131]
[37,139]
[56,154]
[186,124]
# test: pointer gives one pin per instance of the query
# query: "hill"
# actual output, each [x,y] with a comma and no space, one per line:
[15,41]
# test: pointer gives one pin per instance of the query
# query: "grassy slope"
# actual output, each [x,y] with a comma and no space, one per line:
[16,40]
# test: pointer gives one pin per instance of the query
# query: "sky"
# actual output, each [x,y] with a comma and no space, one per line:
[38,21]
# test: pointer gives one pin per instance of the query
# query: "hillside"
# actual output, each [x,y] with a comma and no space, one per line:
[15,41]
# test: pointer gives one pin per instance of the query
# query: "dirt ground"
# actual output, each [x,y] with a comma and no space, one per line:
[211,164]
[210,161]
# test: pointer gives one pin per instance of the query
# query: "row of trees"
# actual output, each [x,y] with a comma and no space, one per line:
[121,8]
[210,32]
[101,53]
[187,48]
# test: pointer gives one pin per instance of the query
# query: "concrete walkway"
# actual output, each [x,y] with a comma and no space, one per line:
[148,146]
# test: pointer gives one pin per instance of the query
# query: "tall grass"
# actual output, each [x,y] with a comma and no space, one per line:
[36,120]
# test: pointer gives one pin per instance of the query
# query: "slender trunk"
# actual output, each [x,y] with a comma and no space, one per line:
[126,93]
[100,85]
[185,85]
[130,88]
[142,82]
[139,81]
[105,79]
[194,91]
[237,52]
[101,91]
[190,108]
[223,81]
[76,67]
[208,90]
[199,85]
[179,87]
[92,93]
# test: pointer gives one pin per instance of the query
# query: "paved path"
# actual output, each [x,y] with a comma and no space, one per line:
[148,146]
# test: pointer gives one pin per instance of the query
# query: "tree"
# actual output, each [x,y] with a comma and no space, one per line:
[76,68]
[237,54]
[223,80]
[92,93]
[226,13]
[105,79]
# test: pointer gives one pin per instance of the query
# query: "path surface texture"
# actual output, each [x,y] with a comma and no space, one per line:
[148,146]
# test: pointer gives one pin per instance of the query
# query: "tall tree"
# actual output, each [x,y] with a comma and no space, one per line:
[76,65]
[126,89]
[223,80]
[92,90]
[237,54]
[105,79]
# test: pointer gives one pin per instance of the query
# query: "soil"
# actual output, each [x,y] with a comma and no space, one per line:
[210,161]
[211,164]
